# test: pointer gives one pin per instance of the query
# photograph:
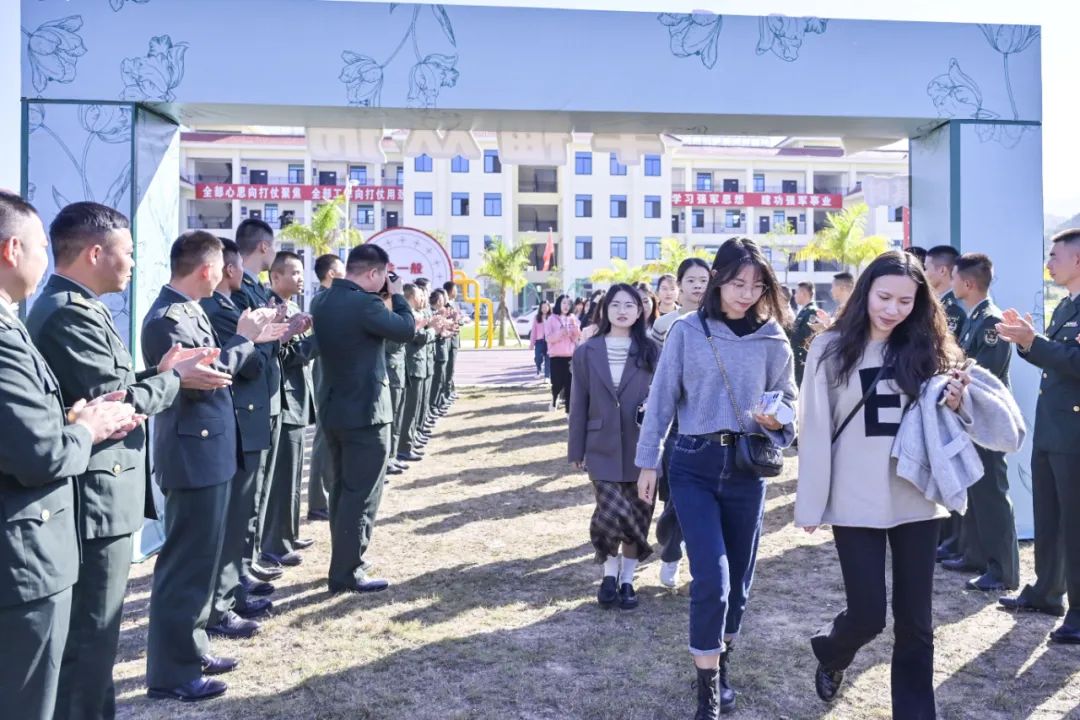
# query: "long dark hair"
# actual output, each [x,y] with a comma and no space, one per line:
[730,259]
[917,349]
[686,265]
[557,309]
[540,311]
[647,352]
[646,292]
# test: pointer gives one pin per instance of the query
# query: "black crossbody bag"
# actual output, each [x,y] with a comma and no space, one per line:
[859,405]
[754,452]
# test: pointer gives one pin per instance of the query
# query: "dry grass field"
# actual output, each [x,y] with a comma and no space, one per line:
[492,615]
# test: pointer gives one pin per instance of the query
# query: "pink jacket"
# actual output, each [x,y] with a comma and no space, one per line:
[537,332]
[562,333]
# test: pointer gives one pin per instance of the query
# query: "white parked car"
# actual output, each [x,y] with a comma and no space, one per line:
[523,321]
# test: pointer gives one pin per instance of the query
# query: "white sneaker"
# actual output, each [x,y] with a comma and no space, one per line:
[669,574]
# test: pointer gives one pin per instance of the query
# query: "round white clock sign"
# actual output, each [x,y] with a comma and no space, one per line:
[415,254]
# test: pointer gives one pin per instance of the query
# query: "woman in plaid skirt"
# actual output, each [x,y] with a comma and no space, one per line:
[612,372]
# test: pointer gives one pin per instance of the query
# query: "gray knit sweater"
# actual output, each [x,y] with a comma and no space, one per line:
[687,382]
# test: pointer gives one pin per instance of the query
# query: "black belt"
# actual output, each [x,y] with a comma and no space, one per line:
[724,438]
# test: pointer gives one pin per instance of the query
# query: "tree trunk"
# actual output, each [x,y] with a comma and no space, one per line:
[502,318]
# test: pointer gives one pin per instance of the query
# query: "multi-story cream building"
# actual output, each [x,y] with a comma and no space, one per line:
[700,190]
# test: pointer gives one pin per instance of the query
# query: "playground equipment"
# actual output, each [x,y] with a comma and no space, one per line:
[470,293]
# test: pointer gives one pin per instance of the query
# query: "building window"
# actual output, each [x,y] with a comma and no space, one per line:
[459,247]
[759,183]
[618,247]
[697,218]
[897,214]
[459,164]
[652,206]
[583,163]
[789,186]
[616,167]
[583,206]
[492,164]
[423,204]
[422,163]
[493,204]
[652,248]
[652,166]
[270,213]
[618,206]
[731,185]
[704,182]
[583,247]
[459,204]
[399,176]
[779,217]
[488,242]
[732,219]
[358,173]
[365,215]
[296,174]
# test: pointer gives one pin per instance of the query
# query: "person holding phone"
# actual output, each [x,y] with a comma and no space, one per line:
[720,503]
[861,375]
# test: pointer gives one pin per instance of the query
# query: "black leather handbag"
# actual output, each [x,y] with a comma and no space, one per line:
[754,452]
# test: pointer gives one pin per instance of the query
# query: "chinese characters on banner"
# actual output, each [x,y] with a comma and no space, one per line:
[228,191]
[751,199]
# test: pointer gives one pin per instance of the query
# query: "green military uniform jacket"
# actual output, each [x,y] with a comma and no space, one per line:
[251,296]
[39,454]
[802,331]
[296,356]
[395,363]
[75,333]
[1057,353]
[416,356]
[352,326]
[980,341]
[954,313]
[250,402]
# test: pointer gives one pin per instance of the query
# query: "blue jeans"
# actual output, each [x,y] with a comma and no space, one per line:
[720,510]
[540,357]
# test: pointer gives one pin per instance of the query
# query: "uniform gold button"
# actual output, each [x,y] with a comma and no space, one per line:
[251,407]
[1076,408]
[45,515]
[1044,376]
[205,433]
[116,469]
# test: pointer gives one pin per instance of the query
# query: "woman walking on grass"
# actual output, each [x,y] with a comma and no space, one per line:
[714,368]
[537,341]
[561,331]
[612,372]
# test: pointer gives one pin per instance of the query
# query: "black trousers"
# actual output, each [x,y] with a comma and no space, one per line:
[319,480]
[359,458]
[185,576]
[34,634]
[560,380]
[282,525]
[229,592]
[989,530]
[86,690]
[438,382]
[263,482]
[862,562]
[1056,495]
[397,404]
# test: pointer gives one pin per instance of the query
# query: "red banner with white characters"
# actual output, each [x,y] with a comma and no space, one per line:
[753,199]
[318,193]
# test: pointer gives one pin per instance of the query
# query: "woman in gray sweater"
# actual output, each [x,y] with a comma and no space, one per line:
[719,506]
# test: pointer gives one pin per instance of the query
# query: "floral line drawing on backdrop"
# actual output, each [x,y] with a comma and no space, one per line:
[698,33]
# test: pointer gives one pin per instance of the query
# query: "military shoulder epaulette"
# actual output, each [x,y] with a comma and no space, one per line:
[178,311]
[79,299]
[223,302]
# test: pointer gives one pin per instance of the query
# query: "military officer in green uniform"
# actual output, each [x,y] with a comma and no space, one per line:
[1056,445]
[441,355]
[352,325]
[195,449]
[281,535]
[988,534]
[239,598]
[395,373]
[804,327]
[75,333]
[328,267]
[41,452]
[455,341]
[256,242]
[416,371]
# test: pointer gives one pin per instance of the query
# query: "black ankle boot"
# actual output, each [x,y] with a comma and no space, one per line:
[708,694]
[727,695]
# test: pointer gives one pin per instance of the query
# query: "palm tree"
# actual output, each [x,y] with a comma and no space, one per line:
[505,267]
[672,253]
[324,231]
[778,240]
[844,239]
[621,272]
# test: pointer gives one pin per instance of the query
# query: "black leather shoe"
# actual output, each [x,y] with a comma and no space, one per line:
[302,543]
[944,553]
[258,588]
[358,586]
[627,597]
[1066,635]
[1020,602]
[202,688]
[233,626]
[256,607]
[316,515]
[394,469]
[988,582]
[264,573]
[289,559]
[608,594]
[213,665]
[827,682]
[410,457]
[959,564]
